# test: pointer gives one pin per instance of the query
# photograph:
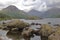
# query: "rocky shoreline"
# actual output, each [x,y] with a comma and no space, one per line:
[46,31]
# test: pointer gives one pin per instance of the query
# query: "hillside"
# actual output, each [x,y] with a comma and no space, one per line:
[35,13]
[13,12]
[4,16]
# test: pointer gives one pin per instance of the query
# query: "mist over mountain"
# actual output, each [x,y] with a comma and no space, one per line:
[51,13]
[13,12]
[51,1]
[35,13]
[54,5]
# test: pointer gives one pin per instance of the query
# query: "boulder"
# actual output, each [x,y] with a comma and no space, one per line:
[45,31]
[55,35]
[27,33]
[17,24]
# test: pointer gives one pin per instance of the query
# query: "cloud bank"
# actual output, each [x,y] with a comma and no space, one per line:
[31,4]
[5,3]
[27,5]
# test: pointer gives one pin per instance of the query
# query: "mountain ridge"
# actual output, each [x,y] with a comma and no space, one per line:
[14,12]
[51,13]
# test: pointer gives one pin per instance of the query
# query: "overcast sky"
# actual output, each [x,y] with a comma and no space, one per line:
[27,5]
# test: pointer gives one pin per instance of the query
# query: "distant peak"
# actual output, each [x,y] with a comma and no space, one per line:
[12,6]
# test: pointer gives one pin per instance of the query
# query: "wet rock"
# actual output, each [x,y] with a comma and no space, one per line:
[49,22]
[16,24]
[56,25]
[1,38]
[45,31]
[2,26]
[37,23]
[5,28]
[32,23]
[27,33]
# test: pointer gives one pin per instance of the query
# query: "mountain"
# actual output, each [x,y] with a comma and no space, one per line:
[52,13]
[35,13]
[13,12]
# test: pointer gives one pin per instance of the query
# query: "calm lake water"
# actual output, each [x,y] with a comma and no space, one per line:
[6,35]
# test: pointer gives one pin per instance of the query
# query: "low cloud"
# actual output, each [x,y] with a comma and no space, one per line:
[21,4]
[5,3]
[51,1]
[30,4]
[27,5]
